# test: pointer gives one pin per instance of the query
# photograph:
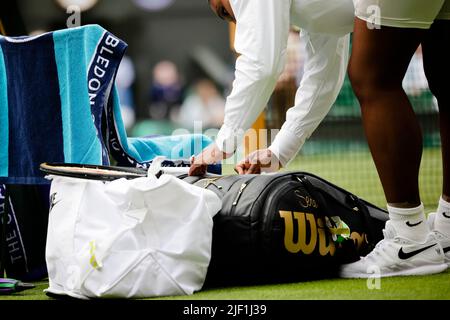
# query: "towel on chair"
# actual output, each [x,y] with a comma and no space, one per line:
[59,104]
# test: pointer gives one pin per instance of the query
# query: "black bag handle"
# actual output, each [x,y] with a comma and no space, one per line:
[313,191]
[366,219]
[348,253]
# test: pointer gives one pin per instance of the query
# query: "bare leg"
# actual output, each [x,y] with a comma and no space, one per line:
[436,54]
[378,65]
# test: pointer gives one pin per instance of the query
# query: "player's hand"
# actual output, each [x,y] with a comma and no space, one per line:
[211,155]
[258,162]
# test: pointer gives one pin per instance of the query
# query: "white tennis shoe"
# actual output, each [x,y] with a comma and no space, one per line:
[398,256]
[441,238]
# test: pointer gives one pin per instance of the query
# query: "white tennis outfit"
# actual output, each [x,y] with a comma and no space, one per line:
[261,40]
[403,13]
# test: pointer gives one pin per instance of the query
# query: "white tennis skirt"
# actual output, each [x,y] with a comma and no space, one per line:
[403,13]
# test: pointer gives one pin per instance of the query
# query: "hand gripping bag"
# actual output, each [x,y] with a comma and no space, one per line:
[128,238]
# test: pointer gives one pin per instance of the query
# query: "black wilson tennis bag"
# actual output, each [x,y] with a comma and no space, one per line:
[287,227]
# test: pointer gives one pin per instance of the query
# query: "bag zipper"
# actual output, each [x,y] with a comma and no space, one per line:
[244,185]
[212,182]
[241,190]
[339,189]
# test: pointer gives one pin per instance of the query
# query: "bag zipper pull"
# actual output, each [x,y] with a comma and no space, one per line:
[212,182]
[355,200]
[241,190]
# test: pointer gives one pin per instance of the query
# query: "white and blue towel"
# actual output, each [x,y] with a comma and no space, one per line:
[58,104]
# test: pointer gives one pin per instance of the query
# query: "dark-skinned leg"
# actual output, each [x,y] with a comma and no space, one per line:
[436,55]
[380,58]
[378,65]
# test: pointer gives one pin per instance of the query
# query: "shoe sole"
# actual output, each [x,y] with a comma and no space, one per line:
[419,271]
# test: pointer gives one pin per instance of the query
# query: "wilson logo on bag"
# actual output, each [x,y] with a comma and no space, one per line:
[320,239]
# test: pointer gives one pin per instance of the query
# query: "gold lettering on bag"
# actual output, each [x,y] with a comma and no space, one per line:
[326,245]
[306,202]
[359,239]
[289,232]
[318,234]
[302,219]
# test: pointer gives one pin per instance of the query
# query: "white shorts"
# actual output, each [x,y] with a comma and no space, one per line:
[403,13]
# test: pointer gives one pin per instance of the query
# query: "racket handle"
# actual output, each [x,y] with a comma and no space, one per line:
[10,286]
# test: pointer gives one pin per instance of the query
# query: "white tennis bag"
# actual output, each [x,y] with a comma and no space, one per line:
[135,238]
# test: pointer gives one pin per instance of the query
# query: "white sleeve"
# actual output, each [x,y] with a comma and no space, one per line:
[262,32]
[325,69]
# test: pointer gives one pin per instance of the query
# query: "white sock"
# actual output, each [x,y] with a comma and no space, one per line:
[409,223]
[442,220]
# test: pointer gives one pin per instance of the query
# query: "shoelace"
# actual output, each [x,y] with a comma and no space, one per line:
[380,248]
